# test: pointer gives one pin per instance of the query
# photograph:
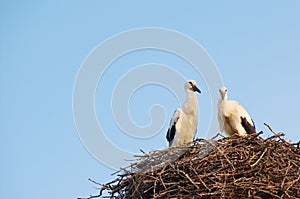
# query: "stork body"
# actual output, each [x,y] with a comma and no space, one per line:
[183,125]
[233,118]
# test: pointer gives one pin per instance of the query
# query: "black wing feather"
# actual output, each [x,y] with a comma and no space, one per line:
[247,126]
[172,129]
[171,132]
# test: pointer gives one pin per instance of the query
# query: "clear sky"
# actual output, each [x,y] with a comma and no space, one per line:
[254,45]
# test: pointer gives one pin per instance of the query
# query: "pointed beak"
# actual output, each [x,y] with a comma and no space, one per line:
[196,89]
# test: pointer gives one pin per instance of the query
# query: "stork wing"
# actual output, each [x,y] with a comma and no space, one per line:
[249,128]
[239,117]
[235,108]
[172,128]
[232,107]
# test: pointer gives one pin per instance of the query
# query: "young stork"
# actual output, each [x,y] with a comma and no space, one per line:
[233,118]
[183,125]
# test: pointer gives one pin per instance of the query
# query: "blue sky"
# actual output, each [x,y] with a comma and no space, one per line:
[255,46]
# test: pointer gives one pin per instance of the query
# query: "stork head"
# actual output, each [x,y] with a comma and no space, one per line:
[192,86]
[223,93]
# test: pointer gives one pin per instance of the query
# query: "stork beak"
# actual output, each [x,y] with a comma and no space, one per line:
[196,89]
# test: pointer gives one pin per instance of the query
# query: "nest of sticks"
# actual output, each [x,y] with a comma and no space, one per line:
[233,167]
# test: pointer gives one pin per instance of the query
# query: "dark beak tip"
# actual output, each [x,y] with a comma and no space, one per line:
[197,90]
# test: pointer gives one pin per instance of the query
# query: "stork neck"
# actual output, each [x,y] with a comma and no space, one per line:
[191,103]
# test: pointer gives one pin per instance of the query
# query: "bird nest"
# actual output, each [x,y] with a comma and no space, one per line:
[234,167]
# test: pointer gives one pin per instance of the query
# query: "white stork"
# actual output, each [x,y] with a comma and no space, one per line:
[233,118]
[183,125]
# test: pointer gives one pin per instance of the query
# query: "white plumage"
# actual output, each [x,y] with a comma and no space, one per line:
[233,118]
[183,125]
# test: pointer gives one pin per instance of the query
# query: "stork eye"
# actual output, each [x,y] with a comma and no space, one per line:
[191,83]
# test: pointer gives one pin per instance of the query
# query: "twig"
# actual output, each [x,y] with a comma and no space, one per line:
[293,182]
[226,158]
[253,165]
[146,154]
[276,134]
[218,134]
[96,196]
[93,181]
[287,170]
[188,177]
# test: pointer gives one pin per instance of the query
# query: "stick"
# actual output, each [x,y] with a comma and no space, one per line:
[276,134]
[93,181]
[253,165]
